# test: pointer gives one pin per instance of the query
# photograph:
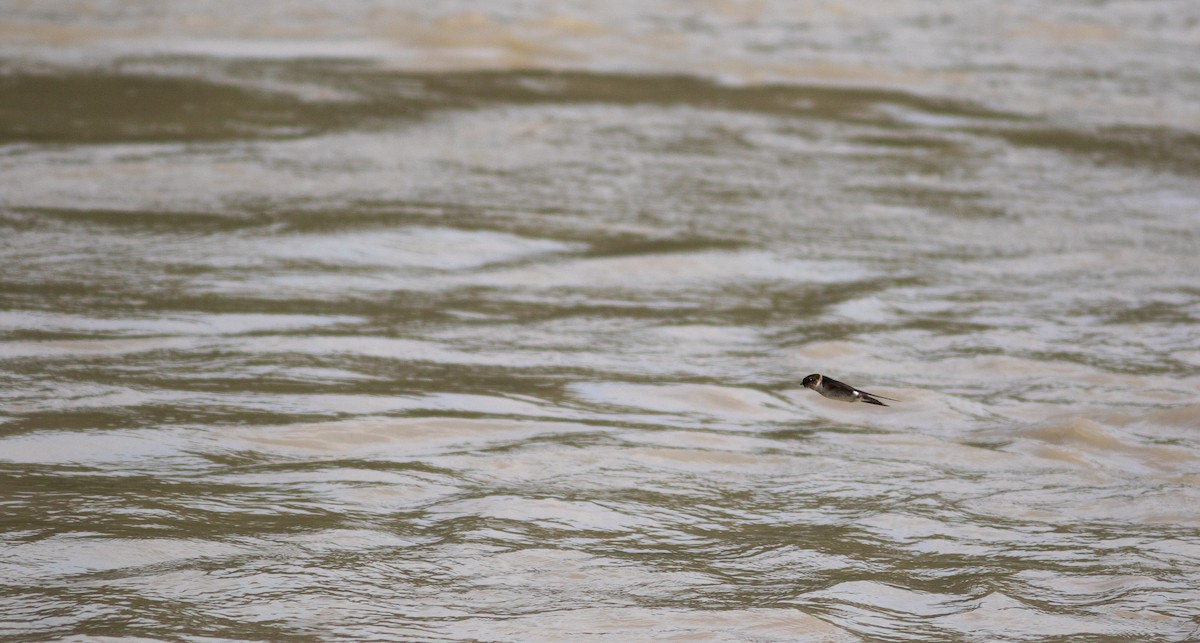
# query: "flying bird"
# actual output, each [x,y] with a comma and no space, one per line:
[836,390]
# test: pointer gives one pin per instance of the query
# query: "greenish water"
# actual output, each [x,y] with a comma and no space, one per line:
[315,347]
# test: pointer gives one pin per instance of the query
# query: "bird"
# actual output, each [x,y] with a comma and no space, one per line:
[835,390]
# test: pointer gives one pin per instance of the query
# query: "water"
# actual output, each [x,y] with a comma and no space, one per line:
[364,320]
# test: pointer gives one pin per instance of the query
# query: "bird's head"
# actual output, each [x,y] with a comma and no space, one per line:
[812,381]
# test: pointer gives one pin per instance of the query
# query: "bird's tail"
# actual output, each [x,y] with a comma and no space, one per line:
[871,400]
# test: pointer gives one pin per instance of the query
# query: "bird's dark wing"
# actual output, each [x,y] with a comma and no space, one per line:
[890,399]
[866,397]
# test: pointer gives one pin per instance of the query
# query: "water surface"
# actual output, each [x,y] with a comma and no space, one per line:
[365,322]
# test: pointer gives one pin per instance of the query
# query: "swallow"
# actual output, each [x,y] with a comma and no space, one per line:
[835,390]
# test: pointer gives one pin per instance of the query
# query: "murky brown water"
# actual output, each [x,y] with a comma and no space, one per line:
[378,321]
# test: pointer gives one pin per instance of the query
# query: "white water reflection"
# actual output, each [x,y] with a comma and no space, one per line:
[1100,62]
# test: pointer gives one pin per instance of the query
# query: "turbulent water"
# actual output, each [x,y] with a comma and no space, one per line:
[374,321]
